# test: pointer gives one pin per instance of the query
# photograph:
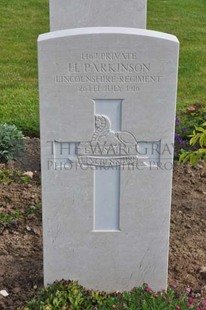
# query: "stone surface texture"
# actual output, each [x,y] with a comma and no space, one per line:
[66,14]
[77,67]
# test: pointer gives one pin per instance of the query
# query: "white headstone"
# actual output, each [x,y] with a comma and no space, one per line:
[107,107]
[65,14]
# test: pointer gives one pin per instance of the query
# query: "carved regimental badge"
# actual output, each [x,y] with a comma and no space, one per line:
[107,148]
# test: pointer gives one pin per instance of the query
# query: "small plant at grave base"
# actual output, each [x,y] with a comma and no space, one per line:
[33,209]
[25,179]
[11,143]
[195,114]
[185,121]
[15,175]
[65,295]
[198,141]
[8,218]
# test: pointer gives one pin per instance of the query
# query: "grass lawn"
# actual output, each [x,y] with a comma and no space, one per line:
[21,21]
[187,20]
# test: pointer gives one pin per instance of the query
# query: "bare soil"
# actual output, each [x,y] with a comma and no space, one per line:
[21,265]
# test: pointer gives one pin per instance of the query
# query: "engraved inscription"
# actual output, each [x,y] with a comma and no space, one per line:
[108,72]
[108,68]
[109,56]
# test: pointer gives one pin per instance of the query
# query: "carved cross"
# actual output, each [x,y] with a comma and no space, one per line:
[109,150]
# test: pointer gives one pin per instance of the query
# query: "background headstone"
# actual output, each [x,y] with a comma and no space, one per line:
[66,14]
[107,100]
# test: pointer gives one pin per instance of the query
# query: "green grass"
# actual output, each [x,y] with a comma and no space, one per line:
[20,24]
[21,21]
[187,20]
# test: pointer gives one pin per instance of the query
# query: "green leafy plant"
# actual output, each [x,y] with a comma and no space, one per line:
[15,175]
[186,119]
[68,295]
[33,209]
[11,142]
[8,218]
[25,179]
[198,141]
